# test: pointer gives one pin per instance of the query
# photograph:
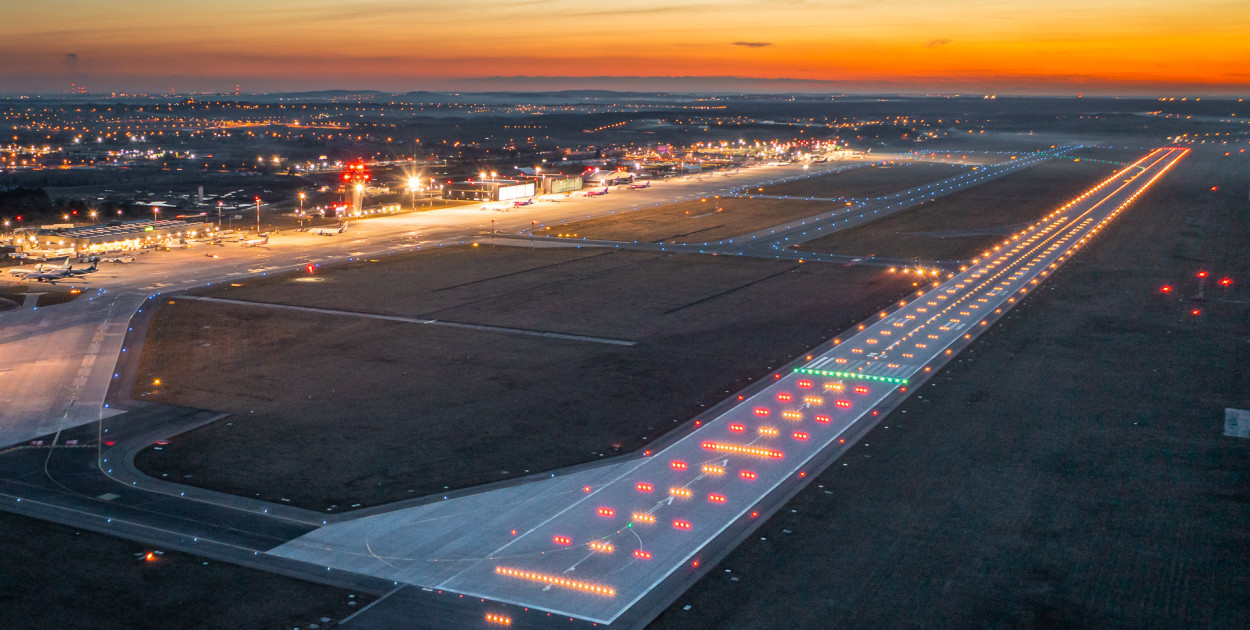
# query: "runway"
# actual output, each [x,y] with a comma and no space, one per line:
[635,531]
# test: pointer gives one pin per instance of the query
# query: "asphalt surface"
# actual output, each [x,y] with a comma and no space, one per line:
[638,527]
[528,544]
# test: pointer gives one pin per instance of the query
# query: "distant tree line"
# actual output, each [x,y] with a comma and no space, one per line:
[22,205]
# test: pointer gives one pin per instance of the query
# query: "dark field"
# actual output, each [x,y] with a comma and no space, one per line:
[1068,471]
[961,225]
[334,411]
[866,181]
[708,220]
[58,577]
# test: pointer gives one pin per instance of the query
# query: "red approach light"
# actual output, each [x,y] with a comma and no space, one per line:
[1202,274]
[845,404]
[1214,188]
[562,540]
[716,498]
[805,384]
[608,512]
[746,474]
[678,465]
[1224,282]
[761,411]
[642,555]
[1167,288]
[644,487]
[784,397]
[311,268]
[861,390]
[737,427]
[823,419]
[1196,312]
[799,435]
[680,524]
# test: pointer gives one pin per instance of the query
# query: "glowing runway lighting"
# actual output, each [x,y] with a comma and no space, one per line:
[855,375]
[814,400]
[644,487]
[845,404]
[722,447]
[642,517]
[608,512]
[680,492]
[861,390]
[555,580]
[678,465]
[791,415]
[768,431]
[680,524]
[746,474]
[823,419]
[498,619]
[833,386]
[737,427]
[710,469]
[784,397]
[805,384]
[562,540]
[761,411]
[642,555]
[799,435]
[601,547]
[716,498]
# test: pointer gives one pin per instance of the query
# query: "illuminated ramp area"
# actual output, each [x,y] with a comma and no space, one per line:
[595,543]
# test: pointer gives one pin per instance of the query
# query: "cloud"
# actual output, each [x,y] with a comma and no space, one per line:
[937,42]
[70,61]
[753,44]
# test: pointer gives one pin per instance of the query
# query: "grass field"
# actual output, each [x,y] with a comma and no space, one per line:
[698,221]
[867,181]
[1068,471]
[59,577]
[960,225]
[330,411]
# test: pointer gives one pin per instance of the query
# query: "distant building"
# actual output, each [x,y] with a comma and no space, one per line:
[99,238]
[606,178]
[489,190]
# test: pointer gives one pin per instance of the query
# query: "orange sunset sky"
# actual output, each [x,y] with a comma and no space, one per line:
[1148,47]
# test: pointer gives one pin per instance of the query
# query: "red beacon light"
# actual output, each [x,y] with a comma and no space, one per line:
[1167,288]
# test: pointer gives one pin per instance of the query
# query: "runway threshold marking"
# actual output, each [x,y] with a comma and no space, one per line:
[419,320]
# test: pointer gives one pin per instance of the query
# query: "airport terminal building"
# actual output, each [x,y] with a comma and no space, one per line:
[118,235]
[489,190]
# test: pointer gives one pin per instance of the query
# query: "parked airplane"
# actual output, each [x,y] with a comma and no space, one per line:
[638,186]
[527,202]
[342,228]
[597,193]
[256,242]
[81,272]
[124,258]
[23,272]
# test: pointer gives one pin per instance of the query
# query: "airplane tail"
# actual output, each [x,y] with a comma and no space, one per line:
[265,241]
[344,228]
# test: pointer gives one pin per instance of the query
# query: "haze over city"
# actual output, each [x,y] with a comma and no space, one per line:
[1153,47]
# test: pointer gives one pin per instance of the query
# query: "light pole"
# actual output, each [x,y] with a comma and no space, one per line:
[258,216]
[431,193]
[219,215]
[492,232]
[413,185]
[301,210]
[533,226]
